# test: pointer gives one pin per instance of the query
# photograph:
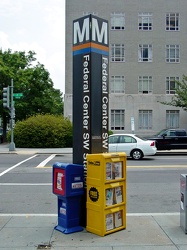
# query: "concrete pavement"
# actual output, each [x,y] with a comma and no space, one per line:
[4,149]
[143,231]
[36,231]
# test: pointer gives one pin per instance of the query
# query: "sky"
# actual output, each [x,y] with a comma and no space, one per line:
[39,26]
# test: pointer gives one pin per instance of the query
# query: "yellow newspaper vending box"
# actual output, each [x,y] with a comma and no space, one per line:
[106,193]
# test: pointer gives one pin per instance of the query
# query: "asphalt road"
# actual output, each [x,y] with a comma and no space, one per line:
[153,184]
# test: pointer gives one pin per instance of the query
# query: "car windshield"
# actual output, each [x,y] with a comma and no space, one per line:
[143,139]
[163,131]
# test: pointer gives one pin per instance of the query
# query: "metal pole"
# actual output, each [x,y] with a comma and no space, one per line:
[12,144]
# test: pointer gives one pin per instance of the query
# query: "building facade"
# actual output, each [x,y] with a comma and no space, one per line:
[148,54]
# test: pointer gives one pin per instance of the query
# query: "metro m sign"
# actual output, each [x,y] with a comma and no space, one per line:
[90,90]
[90,28]
[90,87]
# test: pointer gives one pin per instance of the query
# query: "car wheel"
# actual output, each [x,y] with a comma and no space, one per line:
[137,154]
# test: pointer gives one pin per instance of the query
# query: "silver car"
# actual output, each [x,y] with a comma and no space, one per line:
[133,145]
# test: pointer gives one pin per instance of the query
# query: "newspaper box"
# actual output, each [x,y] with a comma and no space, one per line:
[106,193]
[183,202]
[68,186]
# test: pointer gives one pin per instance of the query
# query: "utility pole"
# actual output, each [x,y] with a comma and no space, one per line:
[12,117]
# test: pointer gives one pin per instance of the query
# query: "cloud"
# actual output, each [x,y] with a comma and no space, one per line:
[9,8]
[3,40]
[37,25]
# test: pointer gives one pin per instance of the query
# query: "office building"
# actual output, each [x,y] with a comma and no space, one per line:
[148,54]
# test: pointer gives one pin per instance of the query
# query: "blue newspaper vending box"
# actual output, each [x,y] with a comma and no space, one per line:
[68,186]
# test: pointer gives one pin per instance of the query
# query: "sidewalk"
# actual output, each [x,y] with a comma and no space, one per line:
[4,149]
[146,232]
[36,231]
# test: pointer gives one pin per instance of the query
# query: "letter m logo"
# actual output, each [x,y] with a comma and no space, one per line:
[99,31]
[82,33]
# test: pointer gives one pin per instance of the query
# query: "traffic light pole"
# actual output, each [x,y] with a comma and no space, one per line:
[12,111]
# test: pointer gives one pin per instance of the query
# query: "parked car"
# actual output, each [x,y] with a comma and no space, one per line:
[168,139]
[133,145]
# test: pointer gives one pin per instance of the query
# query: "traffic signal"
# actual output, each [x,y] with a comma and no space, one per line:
[6,99]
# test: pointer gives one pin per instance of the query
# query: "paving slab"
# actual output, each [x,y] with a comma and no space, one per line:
[143,232]
[171,227]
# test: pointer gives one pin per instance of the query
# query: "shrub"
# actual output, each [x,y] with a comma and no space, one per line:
[43,131]
[110,132]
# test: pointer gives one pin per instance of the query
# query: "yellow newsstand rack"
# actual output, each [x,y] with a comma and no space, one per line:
[106,193]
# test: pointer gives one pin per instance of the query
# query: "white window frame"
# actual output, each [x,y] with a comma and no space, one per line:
[171,85]
[172,118]
[145,85]
[117,53]
[86,13]
[173,53]
[145,21]
[145,53]
[172,22]
[117,21]
[117,119]
[117,84]
[145,119]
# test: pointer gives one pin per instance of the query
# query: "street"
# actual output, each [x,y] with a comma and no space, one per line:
[26,183]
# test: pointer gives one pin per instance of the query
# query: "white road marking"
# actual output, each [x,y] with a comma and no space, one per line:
[18,164]
[159,166]
[152,214]
[128,214]
[25,184]
[27,215]
[152,166]
[43,163]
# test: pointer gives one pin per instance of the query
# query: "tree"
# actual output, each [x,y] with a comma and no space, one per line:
[31,79]
[180,97]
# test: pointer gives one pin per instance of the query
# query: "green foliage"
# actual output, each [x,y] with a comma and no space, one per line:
[43,131]
[110,132]
[180,97]
[33,80]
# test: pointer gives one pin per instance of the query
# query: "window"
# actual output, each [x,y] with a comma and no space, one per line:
[117,21]
[85,13]
[172,21]
[118,119]
[172,118]
[118,53]
[172,53]
[126,139]
[145,53]
[117,84]
[113,139]
[171,84]
[145,85]
[145,21]
[180,132]
[145,119]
